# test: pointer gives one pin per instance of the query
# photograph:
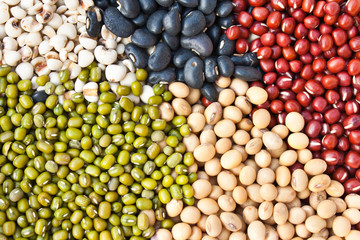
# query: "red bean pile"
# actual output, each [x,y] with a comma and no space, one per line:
[309,52]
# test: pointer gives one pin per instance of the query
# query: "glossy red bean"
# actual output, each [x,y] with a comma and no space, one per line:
[279,4]
[296,166]
[329,81]
[314,145]
[331,53]
[332,8]
[346,93]
[264,52]
[292,106]
[274,20]
[276,106]
[352,32]
[241,46]
[314,88]
[332,116]
[355,147]
[267,65]
[352,159]
[352,7]
[344,144]
[354,67]
[313,128]
[355,44]
[319,65]
[300,31]
[325,29]
[344,51]
[336,64]
[307,58]
[351,122]
[344,79]
[311,22]
[341,106]
[319,9]
[326,42]
[315,49]
[295,66]
[356,82]
[286,95]
[282,66]
[331,157]
[289,53]
[288,25]
[330,19]
[299,15]
[354,137]
[307,73]
[303,98]
[351,107]
[255,45]
[260,13]
[314,35]
[319,104]
[270,78]
[306,115]
[337,129]
[340,37]
[233,32]
[257,3]
[283,40]
[298,85]
[268,39]
[340,174]
[239,5]
[308,5]
[325,129]
[281,117]
[284,82]
[258,28]
[352,186]
[332,96]
[245,19]
[357,174]
[244,32]
[276,52]
[329,141]
[294,3]
[273,92]
[345,21]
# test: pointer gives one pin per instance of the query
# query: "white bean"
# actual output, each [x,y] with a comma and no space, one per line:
[25,70]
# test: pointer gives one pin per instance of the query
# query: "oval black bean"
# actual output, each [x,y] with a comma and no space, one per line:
[103,4]
[208,91]
[172,41]
[143,38]
[224,8]
[247,59]
[172,22]
[247,73]
[210,19]
[113,3]
[180,75]
[137,55]
[207,6]
[189,3]
[194,72]
[129,9]
[225,65]
[140,20]
[94,21]
[160,58]
[148,6]
[181,56]
[39,96]
[155,21]
[226,22]
[214,33]
[225,46]
[165,3]
[193,23]
[117,23]
[211,69]
[200,43]
[168,75]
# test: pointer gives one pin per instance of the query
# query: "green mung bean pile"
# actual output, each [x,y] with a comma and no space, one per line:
[88,170]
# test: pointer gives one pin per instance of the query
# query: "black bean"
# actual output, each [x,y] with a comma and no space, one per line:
[194,72]
[140,20]
[210,19]
[143,38]
[148,6]
[225,46]
[247,73]
[155,21]
[94,21]
[172,41]
[39,96]
[176,6]
[165,3]
[113,3]
[226,66]
[137,55]
[224,8]
[226,22]
[209,92]
[207,6]
[200,43]
[117,23]
[214,33]
[129,9]
[168,75]
[189,3]
[193,23]
[247,59]
[180,75]
[103,4]
[181,56]
[211,69]
[160,58]
[172,22]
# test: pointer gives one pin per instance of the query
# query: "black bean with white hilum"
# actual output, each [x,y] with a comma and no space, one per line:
[178,40]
